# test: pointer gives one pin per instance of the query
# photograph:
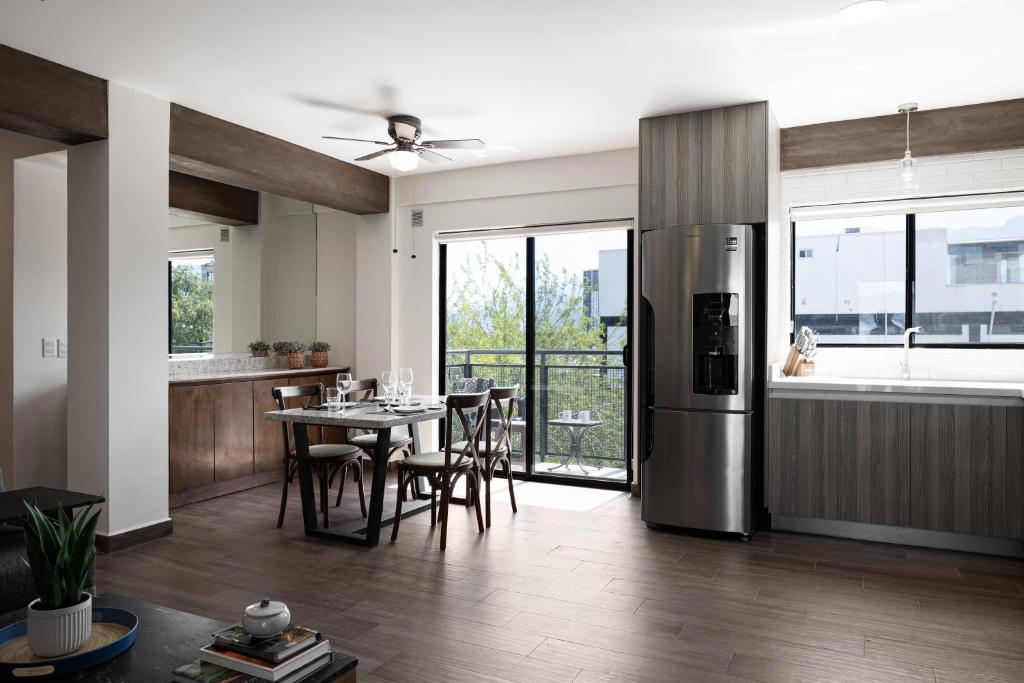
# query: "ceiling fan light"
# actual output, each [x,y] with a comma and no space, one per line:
[404,160]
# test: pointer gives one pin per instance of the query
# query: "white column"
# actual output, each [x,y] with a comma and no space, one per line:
[117,313]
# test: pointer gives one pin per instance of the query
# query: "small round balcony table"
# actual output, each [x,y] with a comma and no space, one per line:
[576,428]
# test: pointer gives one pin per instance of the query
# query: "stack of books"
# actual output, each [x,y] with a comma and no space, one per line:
[237,657]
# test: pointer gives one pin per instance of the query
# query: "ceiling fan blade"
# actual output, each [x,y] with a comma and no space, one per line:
[374,155]
[432,157]
[372,142]
[454,144]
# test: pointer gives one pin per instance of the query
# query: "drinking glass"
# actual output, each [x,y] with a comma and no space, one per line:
[333,399]
[387,381]
[344,383]
[405,383]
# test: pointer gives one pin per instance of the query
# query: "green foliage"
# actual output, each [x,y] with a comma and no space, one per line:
[280,347]
[259,346]
[59,554]
[319,347]
[191,308]
[286,347]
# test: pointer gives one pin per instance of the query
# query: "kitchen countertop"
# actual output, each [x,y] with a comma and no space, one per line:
[894,389]
[253,375]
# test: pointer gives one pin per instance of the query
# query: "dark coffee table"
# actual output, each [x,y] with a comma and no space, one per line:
[168,638]
[12,503]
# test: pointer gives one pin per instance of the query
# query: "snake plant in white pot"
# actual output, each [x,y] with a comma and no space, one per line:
[60,553]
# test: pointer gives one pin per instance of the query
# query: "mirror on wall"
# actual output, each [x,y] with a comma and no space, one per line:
[230,285]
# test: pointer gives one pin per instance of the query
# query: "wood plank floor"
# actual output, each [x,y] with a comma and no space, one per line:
[575,588]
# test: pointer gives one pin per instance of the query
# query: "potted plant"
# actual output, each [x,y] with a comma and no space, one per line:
[259,349]
[59,556]
[280,348]
[296,355]
[318,353]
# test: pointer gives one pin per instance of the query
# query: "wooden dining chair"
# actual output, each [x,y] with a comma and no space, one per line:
[442,469]
[328,459]
[365,389]
[496,449]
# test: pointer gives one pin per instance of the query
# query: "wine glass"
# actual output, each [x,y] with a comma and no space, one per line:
[405,383]
[333,399]
[344,383]
[387,381]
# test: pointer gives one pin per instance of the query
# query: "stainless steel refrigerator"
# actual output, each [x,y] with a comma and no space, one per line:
[699,391]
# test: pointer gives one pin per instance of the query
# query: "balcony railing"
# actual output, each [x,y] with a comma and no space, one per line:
[565,379]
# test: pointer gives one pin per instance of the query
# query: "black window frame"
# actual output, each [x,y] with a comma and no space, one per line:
[910,288]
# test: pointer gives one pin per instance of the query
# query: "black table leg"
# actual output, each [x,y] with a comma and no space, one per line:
[305,477]
[380,476]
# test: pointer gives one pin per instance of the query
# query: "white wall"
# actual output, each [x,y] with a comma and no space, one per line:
[12,146]
[289,269]
[948,174]
[117,313]
[40,310]
[336,246]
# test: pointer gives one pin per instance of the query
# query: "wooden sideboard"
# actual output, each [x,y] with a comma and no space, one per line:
[219,442]
[953,468]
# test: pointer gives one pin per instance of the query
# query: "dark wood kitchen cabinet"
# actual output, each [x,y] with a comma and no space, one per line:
[219,442]
[707,166]
[925,466]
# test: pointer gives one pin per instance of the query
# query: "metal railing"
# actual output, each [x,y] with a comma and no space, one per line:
[565,379]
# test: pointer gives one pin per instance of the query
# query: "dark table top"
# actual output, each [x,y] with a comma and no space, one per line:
[47,500]
[168,638]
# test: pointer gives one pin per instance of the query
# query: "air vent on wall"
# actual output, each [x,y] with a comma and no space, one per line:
[417,218]
[225,234]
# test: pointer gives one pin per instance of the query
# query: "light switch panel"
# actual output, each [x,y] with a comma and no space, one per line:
[49,347]
[62,348]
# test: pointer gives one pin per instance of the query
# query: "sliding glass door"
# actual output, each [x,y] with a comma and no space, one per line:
[550,313]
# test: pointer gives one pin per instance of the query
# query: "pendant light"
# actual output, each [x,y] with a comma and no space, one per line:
[908,178]
[392,191]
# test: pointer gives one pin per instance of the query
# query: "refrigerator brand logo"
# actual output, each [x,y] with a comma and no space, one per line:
[732,243]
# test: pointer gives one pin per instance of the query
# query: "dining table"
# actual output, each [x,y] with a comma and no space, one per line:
[368,415]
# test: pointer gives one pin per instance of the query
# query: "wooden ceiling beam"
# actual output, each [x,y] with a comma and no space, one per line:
[48,100]
[218,150]
[953,130]
[212,201]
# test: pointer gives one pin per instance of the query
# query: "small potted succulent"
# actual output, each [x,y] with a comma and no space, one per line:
[259,349]
[296,355]
[59,555]
[280,348]
[318,353]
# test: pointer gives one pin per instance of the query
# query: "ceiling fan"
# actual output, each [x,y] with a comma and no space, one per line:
[405,146]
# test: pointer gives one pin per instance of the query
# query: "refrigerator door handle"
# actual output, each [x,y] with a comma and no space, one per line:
[647,378]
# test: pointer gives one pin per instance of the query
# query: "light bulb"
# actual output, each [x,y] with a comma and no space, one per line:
[404,160]
[909,179]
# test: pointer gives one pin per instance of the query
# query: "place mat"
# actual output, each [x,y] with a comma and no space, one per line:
[17,651]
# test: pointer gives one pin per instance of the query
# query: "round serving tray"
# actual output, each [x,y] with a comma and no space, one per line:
[113,632]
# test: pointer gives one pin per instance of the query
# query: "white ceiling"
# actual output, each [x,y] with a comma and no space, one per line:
[532,78]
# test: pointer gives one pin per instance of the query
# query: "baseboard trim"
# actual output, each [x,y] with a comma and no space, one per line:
[925,538]
[126,539]
[223,488]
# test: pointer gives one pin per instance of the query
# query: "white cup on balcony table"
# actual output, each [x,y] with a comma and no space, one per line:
[584,415]
[565,415]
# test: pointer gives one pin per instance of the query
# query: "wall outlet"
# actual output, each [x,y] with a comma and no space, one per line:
[62,348]
[49,347]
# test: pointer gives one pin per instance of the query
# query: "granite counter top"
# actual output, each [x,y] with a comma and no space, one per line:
[254,375]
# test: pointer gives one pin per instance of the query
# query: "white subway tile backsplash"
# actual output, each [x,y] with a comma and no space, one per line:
[974,166]
[1001,154]
[1013,162]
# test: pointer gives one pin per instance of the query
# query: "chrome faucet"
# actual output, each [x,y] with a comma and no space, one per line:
[905,364]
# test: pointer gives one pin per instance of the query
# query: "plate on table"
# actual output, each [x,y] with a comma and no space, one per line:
[410,410]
